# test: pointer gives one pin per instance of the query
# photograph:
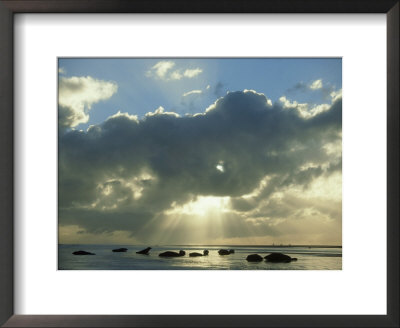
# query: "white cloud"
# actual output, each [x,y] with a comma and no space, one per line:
[160,69]
[335,95]
[192,93]
[317,84]
[62,70]
[287,104]
[306,110]
[127,115]
[189,73]
[76,95]
[175,75]
[163,71]
[161,111]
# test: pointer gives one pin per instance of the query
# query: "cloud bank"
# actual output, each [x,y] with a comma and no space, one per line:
[243,170]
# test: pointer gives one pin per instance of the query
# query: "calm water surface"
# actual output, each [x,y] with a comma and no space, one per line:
[313,258]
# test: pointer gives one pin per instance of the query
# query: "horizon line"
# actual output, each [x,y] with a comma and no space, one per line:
[213,245]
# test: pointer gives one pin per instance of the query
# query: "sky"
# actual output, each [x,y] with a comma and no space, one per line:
[202,151]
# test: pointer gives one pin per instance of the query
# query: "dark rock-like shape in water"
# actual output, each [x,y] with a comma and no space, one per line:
[195,254]
[226,251]
[254,258]
[278,257]
[294,258]
[172,254]
[120,250]
[144,251]
[82,253]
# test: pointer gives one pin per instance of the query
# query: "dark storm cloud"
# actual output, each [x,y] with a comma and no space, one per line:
[66,118]
[123,173]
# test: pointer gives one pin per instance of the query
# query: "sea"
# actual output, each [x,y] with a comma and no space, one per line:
[308,258]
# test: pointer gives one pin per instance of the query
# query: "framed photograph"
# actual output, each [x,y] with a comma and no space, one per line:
[222,177]
[199,164]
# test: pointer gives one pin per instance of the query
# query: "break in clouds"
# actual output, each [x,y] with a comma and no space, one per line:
[242,170]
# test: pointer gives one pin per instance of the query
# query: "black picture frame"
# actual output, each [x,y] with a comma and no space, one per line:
[10,7]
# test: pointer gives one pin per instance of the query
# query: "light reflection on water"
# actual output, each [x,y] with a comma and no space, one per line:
[105,259]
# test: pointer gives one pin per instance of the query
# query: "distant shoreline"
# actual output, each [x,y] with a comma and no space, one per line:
[227,246]
[312,246]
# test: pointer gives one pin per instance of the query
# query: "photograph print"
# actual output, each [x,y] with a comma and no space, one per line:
[199,163]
